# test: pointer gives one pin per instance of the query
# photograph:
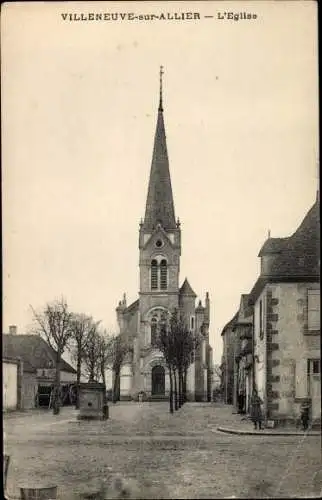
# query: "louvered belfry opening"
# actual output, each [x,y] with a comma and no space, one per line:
[163,275]
[154,275]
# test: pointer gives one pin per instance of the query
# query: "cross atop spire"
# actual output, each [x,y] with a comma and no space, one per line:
[160,103]
[159,205]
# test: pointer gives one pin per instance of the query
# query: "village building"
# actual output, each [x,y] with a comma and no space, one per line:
[243,356]
[273,341]
[286,323]
[228,360]
[144,370]
[28,371]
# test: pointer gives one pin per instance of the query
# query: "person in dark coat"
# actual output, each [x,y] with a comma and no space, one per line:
[256,410]
[305,414]
[241,402]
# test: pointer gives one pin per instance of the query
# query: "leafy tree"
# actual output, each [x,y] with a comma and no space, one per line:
[54,324]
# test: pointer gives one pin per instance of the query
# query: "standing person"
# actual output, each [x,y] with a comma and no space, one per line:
[256,411]
[305,414]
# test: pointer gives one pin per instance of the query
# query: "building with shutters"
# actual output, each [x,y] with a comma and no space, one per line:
[286,322]
[144,370]
[243,356]
[273,342]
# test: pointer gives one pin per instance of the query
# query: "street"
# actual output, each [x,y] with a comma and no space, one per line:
[165,456]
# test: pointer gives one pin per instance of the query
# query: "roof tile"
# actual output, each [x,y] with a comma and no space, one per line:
[32,349]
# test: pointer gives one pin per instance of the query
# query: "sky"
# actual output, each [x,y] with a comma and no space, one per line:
[78,121]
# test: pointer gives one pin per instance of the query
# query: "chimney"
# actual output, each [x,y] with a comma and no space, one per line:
[13,329]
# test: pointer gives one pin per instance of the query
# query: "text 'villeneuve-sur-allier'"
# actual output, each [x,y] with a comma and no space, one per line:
[164,16]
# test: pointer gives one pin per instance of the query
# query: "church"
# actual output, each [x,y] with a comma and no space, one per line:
[144,369]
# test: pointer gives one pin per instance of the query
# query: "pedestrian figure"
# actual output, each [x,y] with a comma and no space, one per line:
[305,415]
[256,411]
[241,402]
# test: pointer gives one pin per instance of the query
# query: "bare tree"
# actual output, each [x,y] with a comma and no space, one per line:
[91,351]
[105,355]
[178,344]
[81,326]
[166,343]
[53,323]
[119,349]
[187,344]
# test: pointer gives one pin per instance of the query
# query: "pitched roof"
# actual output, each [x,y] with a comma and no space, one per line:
[299,256]
[159,205]
[244,301]
[245,312]
[26,366]
[257,289]
[230,323]
[186,289]
[272,245]
[132,308]
[33,350]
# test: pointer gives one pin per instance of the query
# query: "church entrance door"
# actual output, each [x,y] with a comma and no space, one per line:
[158,380]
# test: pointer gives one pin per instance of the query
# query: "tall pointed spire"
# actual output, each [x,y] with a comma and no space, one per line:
[159,205]
[160,102]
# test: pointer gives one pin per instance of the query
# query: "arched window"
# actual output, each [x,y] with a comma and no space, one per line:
[154,275]
[163,275]
[154,330]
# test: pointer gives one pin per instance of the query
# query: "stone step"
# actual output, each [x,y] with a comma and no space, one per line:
[158,398]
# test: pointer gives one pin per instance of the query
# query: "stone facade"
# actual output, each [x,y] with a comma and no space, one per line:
[286,301]
[280,353]
[286,351]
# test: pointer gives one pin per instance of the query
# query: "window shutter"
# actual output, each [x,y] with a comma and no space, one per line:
[301,378]
[313,309]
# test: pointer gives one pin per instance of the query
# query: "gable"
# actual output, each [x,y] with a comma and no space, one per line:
[245,311]
[159,235]
[229,326]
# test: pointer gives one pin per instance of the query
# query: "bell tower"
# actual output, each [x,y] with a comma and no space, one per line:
[145,372]
[160,234]
[159,240]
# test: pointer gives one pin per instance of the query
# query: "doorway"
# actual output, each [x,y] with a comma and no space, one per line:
[158,380]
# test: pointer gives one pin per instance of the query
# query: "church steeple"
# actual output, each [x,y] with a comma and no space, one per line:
[161,100]
[159,205]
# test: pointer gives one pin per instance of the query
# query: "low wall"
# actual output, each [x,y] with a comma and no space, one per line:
[10,384]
